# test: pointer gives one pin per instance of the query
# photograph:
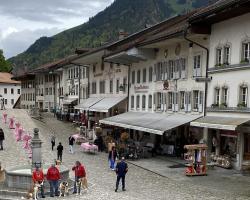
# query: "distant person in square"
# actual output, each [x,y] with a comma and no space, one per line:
[53,141]
[71,144]
[59,151]
[121,171]
[1,138]
[112,158]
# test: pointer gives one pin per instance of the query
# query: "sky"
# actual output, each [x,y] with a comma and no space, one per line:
[22,22]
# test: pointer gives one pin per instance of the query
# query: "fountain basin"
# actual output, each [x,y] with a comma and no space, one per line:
[21,177]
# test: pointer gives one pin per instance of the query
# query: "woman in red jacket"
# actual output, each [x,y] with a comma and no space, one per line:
[38,178]
[79,173]
[53,176]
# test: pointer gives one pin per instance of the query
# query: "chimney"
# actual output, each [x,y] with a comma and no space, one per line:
[122,34]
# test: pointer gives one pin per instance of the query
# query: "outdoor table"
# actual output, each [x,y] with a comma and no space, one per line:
[79,138]
[87,147]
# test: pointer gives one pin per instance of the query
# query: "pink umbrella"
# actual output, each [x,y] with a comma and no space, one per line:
[17,124]
[19,134]
[26,139]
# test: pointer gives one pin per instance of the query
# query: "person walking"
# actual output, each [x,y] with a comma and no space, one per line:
[112,158]
[53,141]
[79,173]
[59,151]
[1,138]
[71,143]
[53,176]
[38,178]
[121,171]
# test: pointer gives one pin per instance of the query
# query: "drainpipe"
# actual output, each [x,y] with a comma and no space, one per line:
[79,83]
[207,64]
[129,68]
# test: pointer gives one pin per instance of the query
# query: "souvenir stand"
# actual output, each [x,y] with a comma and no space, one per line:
[196,156]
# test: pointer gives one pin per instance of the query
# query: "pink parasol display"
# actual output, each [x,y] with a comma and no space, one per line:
[5,117]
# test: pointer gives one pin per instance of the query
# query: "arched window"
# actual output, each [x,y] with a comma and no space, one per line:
[137,102]
[143,102]
[150,102]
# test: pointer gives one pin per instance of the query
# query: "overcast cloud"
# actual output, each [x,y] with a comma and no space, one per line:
[24,21]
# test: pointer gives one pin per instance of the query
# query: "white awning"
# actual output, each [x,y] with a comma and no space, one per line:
[156,123]
[105,104]
[133,55]
[69,101]
[224,123]
[87,103]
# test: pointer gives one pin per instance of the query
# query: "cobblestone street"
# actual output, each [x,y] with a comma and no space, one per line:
[141,184]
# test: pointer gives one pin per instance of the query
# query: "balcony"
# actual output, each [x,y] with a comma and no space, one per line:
[40,98]
[240,109]
[225,67]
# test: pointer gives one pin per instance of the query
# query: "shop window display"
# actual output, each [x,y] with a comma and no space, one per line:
[229,146]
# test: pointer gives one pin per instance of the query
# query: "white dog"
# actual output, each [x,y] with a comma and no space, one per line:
[64,188]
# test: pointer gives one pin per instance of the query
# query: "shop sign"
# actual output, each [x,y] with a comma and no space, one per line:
[141,88]
[98,74]
[229,133]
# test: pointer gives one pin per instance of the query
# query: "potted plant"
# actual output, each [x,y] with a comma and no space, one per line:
[215,105]
[241,105]
[223,105]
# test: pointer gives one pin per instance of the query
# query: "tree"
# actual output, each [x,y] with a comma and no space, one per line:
[4,64]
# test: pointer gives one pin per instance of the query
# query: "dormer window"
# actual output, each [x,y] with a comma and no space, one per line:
[246,51]
[219,56]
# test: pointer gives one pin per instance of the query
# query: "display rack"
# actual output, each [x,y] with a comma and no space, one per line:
[196,155]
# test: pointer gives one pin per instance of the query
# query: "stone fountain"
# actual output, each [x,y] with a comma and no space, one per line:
[21,177]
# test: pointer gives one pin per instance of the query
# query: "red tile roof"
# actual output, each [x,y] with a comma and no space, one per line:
[6,78]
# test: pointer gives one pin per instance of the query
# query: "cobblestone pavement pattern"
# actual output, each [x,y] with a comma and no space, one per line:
[141,184]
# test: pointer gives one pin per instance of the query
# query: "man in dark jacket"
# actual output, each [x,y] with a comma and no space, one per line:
[59,151]
[71,143]
[121,170]
[1,138]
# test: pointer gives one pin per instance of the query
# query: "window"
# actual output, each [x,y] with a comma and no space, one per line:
[133,77]
[102,87]
[111,86]
[137,102]
[246,52]
[197,66]
[196,99]
[77,89]
[171,69]
[102,66]
[150,102]
[227,55]
[94,68]
[69,73]
[5,90]
[132,102]
[182,100]
[18,91]
[84,73]
[150,74]
[176,69]
[124,84]
[117,85]
[138,76]
[143,102]
[224,95]
[219,56]
[217,96]
[159,72]
[170,100]
[158,100]
[5,101]
[12,91]
[183,68]
[111,65]
[50,91]
[144,76]
[12,101]
[93,87]
[243,96]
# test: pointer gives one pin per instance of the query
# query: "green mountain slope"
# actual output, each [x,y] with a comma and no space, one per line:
[128,15]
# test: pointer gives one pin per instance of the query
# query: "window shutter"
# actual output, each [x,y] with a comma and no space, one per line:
[201,101]
[154,72]
[154,103]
